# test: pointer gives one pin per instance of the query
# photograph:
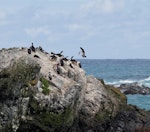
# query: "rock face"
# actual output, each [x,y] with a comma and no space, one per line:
[48,93]
[134,88]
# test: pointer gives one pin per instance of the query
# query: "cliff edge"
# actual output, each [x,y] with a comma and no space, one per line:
[47,92]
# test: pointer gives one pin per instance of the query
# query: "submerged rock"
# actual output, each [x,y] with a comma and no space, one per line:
[35,97]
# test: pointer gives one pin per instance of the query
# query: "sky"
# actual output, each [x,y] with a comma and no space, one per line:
[106,29]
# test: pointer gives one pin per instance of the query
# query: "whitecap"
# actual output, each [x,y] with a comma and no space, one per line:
[145,82]
[118,83]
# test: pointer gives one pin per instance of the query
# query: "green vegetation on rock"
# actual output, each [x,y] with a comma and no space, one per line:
[118,93]
[101,116]
[57,120]
[115,91]
[45,85]
[117,102]
[17,77]
[50,120]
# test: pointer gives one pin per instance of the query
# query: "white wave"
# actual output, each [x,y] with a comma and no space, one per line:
[118,83]
[145,82]
[127,81]
[147,79]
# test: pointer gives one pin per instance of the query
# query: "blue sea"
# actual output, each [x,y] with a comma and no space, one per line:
[120,71]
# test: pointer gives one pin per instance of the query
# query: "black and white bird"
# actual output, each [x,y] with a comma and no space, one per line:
[83,52]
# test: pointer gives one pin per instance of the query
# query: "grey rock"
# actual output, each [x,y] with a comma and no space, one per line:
[134,88]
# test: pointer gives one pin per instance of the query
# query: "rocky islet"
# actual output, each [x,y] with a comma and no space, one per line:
[40,94]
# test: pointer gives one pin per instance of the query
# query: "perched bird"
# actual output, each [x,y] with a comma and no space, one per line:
[36,56]
[53,57]
[65,58]
[73,60]
[53,53]
[29,51]
[80,65]
[70,65]
[83,52]
[57,69]
[32,48]
[41,49]
[61,62]
[60,54]
[50,76]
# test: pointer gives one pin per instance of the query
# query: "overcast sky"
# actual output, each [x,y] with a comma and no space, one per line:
[104,28]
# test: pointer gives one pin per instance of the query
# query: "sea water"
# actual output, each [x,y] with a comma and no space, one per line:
[121,71]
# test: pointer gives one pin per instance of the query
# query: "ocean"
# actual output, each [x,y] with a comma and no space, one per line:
[120,71]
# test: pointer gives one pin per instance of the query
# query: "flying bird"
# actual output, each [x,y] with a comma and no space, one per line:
[83,52]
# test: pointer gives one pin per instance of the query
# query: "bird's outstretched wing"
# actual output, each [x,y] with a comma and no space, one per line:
[61,52]
[82,49]
[83,52]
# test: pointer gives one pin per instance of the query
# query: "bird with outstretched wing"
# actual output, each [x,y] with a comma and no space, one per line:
[83,52]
